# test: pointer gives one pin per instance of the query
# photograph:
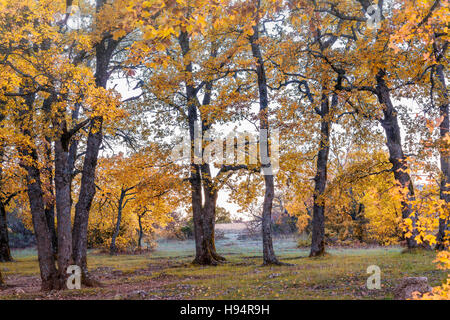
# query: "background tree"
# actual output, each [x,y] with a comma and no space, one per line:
[134,191]
[197,45]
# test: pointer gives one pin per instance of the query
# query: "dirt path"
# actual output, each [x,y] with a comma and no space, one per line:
[149,283]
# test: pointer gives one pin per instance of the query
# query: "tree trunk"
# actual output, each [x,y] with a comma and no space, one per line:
[104,51]
[47,266]
[48,176]
[113,248]
[73,150]
[141,232]
[46,259]
[203,255]
[396,156]
[50,205]
[5,252]
[318,220]
[50,218]
[444,151]
[268,252]
[44,245]
[209,217]
[203,252]
[63,206]
[87,193]
[209,186]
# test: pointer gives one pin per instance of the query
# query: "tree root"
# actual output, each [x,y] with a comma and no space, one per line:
[276,263]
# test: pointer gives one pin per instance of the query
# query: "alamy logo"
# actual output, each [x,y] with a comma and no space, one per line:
[72,18]
[237,148]
[374,16]
[74,280]
[374,281]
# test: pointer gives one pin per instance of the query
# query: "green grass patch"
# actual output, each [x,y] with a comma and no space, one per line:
[341,274]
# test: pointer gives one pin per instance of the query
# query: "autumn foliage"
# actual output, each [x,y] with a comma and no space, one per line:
[95,96]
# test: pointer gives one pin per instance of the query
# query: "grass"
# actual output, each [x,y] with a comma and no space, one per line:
[335,276]
[168,274]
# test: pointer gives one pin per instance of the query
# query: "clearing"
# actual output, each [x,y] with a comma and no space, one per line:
[167,273]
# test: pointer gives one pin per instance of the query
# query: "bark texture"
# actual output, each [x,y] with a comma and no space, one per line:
[63,206]
[269,256]
[141,231]
[104,51]
[209,214]
[200,176]
[444,151]
[5,252]
[396,156]
[46,259]
[86,195]
[113,248]
[48,178]
[320,180]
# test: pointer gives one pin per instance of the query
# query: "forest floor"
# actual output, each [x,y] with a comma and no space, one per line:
[167,273]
